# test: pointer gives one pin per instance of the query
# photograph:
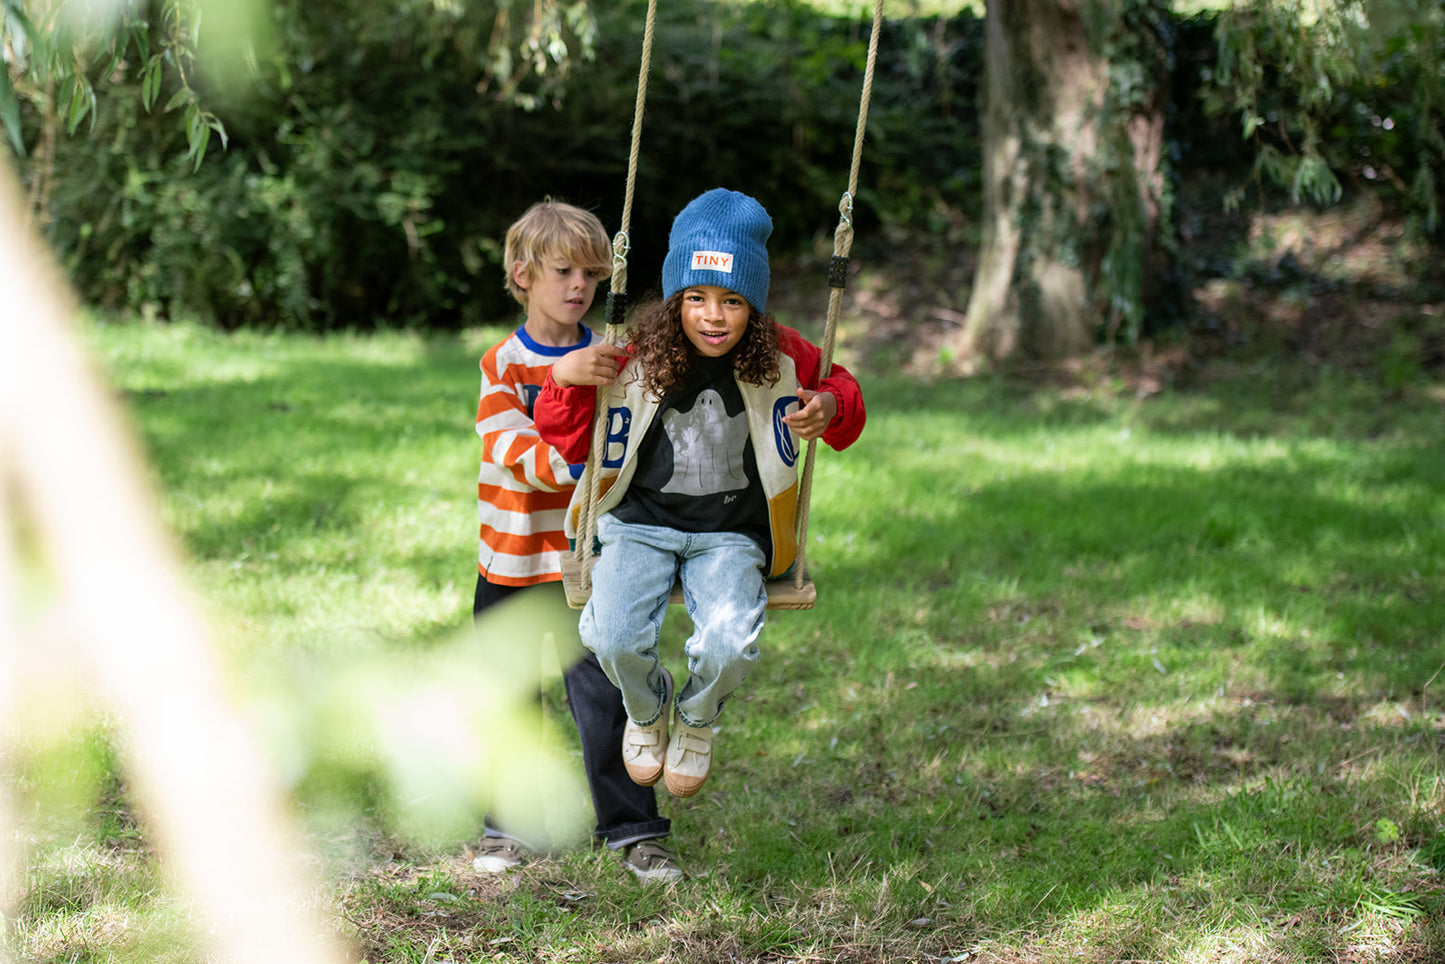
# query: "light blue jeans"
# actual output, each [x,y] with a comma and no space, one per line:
[722,587]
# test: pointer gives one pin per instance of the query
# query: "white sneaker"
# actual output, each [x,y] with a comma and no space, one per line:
[689,758]
[644,748]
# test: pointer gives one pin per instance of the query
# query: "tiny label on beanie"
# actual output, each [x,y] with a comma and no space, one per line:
[712,261]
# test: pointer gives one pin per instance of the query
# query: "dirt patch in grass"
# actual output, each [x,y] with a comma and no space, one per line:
[1345,287]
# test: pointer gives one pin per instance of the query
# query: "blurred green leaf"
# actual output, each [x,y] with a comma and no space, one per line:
[140,35]
[82,103]
[10,114]
[198,136]
[151,82]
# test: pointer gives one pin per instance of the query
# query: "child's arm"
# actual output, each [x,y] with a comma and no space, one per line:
[564,409]
[594,365]
[564,418]
[816,411]
[509,435]
[845,424]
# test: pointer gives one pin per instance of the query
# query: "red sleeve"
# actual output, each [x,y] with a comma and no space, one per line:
[564,418]
[847,425]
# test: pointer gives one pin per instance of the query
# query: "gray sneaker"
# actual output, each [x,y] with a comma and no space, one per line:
[651,862]
[497,854]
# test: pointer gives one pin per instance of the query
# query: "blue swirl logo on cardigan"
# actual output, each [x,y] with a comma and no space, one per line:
[782,435]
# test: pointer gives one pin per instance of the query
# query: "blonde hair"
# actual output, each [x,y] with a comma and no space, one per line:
[555,229]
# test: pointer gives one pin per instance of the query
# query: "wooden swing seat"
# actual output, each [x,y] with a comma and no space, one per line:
[782,594]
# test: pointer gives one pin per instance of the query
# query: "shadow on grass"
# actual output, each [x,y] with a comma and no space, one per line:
[318,456]
[1332,552]
[1094,693]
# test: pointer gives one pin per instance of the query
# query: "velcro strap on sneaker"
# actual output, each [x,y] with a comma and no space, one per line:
[691,741]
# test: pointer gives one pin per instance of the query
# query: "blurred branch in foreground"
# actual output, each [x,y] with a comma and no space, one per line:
[428,739]
[73,494]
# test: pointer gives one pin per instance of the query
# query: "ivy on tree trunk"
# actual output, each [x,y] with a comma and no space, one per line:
[1075,201]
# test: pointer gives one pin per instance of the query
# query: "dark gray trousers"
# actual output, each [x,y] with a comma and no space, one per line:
[625,811]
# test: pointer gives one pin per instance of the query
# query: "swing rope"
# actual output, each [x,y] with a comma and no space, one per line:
[621,244]
[616,310]
[837,279]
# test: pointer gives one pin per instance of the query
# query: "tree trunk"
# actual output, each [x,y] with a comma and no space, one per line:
[1072,111]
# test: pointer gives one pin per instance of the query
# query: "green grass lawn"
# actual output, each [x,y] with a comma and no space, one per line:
[1092,677]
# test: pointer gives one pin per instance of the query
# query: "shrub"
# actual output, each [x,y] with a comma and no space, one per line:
[371,174]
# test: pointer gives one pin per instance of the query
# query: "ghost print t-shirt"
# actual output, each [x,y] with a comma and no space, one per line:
[696,469]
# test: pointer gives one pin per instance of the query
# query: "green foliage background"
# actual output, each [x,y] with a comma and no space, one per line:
[369,175]
[377,151]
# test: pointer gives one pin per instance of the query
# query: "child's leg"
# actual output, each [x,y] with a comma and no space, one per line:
[488,595]
[722,585]
[499,849]
[625,811]
[631,581]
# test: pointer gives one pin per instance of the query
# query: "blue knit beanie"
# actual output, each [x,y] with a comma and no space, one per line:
[720,239]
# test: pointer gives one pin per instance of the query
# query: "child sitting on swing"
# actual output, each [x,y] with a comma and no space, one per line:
[698,478]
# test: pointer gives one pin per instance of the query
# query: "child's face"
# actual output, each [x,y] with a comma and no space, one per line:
[559,291]
[714,319]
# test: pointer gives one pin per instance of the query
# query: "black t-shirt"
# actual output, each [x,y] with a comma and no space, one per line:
[696,468]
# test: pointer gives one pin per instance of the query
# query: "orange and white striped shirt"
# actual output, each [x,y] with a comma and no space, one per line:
[524,484]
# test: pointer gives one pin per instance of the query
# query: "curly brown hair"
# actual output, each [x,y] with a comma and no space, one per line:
[666,355]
